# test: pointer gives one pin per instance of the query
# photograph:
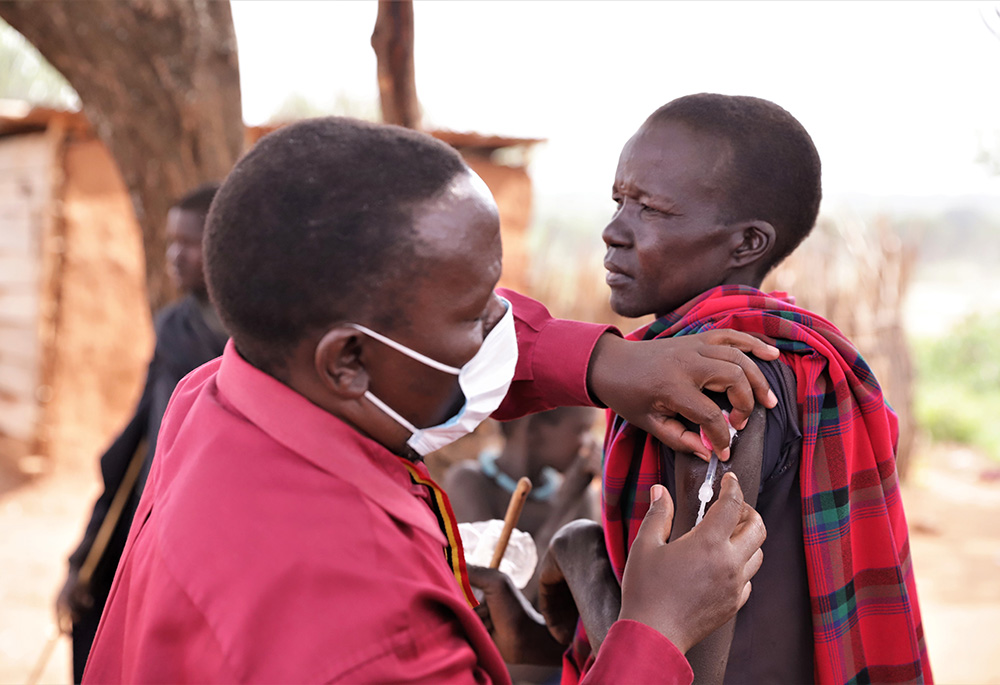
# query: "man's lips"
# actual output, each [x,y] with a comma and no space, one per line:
[615,275]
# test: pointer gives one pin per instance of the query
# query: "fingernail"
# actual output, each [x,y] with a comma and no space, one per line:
[655,493]
[772,398]
[730,474]
[724,455]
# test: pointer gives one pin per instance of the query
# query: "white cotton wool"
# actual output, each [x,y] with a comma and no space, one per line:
[480,538]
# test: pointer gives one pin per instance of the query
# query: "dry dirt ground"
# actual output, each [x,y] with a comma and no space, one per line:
[952,501]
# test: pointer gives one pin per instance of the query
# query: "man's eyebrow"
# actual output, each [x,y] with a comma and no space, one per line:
[655,201]
[621,187]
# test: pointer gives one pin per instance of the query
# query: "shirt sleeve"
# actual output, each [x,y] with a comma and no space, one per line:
[138,642]
[553,356]
[635,653]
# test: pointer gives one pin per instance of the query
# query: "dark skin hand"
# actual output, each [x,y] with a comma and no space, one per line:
[688,588]
[684,590]
[517,629]
[650,383]
[72,601]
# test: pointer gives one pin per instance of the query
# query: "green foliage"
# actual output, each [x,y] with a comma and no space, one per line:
[958,391]
[25,75]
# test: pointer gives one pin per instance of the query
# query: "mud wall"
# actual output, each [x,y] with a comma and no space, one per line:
[103,333]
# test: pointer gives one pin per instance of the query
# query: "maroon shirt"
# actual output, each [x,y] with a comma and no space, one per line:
[274,543]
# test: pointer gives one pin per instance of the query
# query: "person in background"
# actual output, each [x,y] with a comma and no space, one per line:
[188,334]
[290,531]
[557,451]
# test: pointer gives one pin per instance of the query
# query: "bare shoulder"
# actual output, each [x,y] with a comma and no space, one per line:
[472,493]
[466,474]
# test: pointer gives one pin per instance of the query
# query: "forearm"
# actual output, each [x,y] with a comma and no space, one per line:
[562,515]
[598,597]
[584,562]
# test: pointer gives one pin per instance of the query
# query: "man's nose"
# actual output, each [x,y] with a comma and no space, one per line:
[496,310]
[616,234]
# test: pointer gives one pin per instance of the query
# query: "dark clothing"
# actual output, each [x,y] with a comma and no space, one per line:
[776,620]
[184,341]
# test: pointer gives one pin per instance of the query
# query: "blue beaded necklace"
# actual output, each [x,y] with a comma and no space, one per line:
[540,492]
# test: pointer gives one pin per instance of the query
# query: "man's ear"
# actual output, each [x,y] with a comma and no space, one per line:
[757,239]
[338,362]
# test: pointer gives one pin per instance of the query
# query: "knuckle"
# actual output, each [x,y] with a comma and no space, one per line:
[735,573]
[734,355]
[713,414]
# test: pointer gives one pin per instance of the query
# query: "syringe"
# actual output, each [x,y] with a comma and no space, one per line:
[707,489]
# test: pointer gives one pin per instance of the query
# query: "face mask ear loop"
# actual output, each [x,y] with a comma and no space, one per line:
[392,413]
[413,354]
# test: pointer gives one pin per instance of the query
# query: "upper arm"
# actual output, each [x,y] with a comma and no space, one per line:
[746,458]
[757,453]
[761,451]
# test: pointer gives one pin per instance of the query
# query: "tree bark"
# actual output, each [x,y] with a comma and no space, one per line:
[159,81]
[392,41]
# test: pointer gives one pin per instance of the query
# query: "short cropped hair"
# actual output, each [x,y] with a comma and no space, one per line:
[774,172]
[199,199]
[314,226]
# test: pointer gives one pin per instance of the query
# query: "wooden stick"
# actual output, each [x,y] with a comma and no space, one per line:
[110,522]
[510,520]
[43,658]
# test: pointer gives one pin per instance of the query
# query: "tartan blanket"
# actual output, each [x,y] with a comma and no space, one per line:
[866,620]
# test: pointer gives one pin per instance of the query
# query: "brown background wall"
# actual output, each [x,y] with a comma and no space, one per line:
[95,334]
[103,338]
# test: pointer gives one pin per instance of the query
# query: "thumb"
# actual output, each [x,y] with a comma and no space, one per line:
[724,515]
[656,525]
[489,580]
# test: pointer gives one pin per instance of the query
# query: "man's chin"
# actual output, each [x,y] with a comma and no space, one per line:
[622,306]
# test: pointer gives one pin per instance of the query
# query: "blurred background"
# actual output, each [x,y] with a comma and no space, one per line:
[133,103]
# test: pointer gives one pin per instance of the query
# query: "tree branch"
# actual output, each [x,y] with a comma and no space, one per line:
[159,81]
[392,41]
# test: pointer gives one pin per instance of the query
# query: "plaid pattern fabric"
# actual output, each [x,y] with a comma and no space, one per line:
[866,621]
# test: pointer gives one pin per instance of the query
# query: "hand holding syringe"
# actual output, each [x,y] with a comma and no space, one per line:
[707,489]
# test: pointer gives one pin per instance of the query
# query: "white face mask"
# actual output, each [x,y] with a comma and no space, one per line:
[484,381]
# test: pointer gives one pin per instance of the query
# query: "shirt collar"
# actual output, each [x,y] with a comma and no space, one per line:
[323,439]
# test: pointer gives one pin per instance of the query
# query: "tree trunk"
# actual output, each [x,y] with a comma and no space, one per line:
[392,41]
[159,81]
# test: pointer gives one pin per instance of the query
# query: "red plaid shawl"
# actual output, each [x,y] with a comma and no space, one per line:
[866,622]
